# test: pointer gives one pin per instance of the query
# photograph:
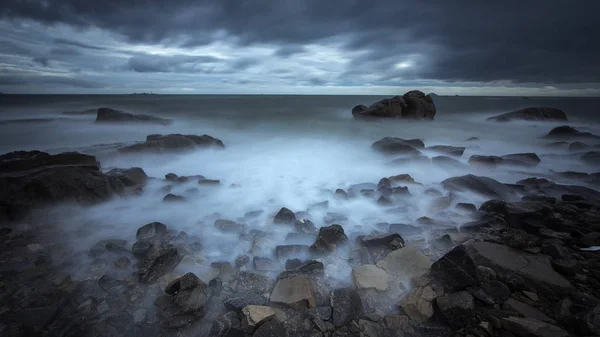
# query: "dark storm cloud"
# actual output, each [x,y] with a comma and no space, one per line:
[289,50]
[77,44]
[14,80]
[166,64]
[464,40]
[43,61]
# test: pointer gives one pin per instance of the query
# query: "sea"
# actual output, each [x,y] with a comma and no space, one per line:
[281,151]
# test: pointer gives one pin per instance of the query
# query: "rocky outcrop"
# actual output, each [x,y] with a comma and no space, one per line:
[413,105]
[32,179]
[185,301]
[569,132]
[173,143]
[107,115]
[393,145]
[531,114]
[328,239]
[480,185]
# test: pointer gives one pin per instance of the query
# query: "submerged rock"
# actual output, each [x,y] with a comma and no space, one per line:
[449,150]
[532,114]
[569,132]
[481,185]
[285,216]
[173,142]
[393,145]
[107,115]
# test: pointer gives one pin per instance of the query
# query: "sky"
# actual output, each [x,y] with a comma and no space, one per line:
[458,47]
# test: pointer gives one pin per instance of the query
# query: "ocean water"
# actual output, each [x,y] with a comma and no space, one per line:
[281,151]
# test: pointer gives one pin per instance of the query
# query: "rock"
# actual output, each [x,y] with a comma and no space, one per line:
[111,245]
[458,309]
[569,132]
[568,267]
[447,161]
[246,282]
[122,262]
[392,145]
[531,114]
[172,143]
[531,295]
[578,146]
[271,328]
[526,310]
[296,292]
[287,251]
[311,268]
[418,105]
[404,229]
[418,304]
[346,305]
[173,198]
[244,299]
[497,290]
[485,161]
[592,321]
[227,325]
[186,303]
[414,104]
[481,185]
[141,249]
[254,316]
[319,206]
[466,207]
[291,264]
[209,182]
[592,157]
[29,160]
[341,194]
[527,159]
[265,264]
[107,115]
[158,262]
[407,262]
[380,245]
[368,328]
[285,217]
[133,176]
[448,150]
[305,226]
[456,270]
[229,226]
[370,277]
[529,327]
[328,239]
[151,231]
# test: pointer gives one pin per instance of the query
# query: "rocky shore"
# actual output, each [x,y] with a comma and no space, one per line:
[524,263]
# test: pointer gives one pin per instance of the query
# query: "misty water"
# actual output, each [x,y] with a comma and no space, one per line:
[281,151]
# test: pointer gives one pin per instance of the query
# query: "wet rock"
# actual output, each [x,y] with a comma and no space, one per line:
[407,262]
[111,245]
[253,214]
[418,304]
[447,161]
[271,328]
[380,245]
[305,226]
[341,194]
[466,207]
[141,248]
[529,327]
[392,145]
[265,264]
[368,328]
[458,309]
[456,270]
[384,187]
[122,262]
[346,306]
[418,105]
[448,150]
[328,239]
[107,115]
[569,132]
[296,292]
[592,321]
[592,157]
[254,316]
[568,267]
[526,310]
[287,251]
[404,229]
[209,182]
[229,226]
[244,299]
[134,176]
[485,161]
[151,231]
[496,290]
[531,114]
[405,178]
[158,262]
[414,104]
[480,185]
[172,143]
[526,159]
[285,217]
[227,325]
[370,277]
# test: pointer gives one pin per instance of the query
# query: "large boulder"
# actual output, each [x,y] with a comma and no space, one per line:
[532,114]
[458,309]
[569,132]
[328,239]
[414,104]
[107,115]
[158,262]
[346,305]
[393,145]
[185,301]
[297,292]
[29,160]
[173,142]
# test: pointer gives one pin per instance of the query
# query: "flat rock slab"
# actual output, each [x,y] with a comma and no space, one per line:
[254,315]
[407,262]
[369,276]
[296,292]
[528,327]
[536,268]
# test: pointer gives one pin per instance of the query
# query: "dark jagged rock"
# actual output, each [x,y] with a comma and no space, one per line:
[569,132]
[458,309]
[173,143]
[380,245]
[448,150]
[229,226]
[285,217]
[287,251]
[447,161]
[485,161]
[107,115]
[456,270]
[532,114]
[341,194]
[524,159]
[151,231]
[141,249]
[188,296]
[173,198]
[227,325]
[305,226]
[328,238]
[133,176]
[414,104]
[29,160]
[310,268]
[393,145]
[158,262]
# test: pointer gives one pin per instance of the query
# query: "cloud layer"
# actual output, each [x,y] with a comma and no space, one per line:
[286,44]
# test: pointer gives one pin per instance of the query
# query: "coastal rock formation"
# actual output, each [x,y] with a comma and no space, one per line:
[393,145]
[569,132]
[531,114]
[107,115]
[413,105]
[172,143]
[32,179]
